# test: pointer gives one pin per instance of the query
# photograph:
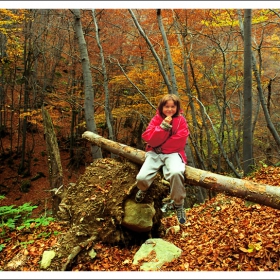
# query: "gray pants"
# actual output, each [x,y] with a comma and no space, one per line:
[173,169]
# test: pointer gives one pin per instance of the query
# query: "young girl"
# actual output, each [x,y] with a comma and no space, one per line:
[166,137]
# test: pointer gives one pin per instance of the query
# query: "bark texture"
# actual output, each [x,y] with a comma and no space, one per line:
[54,161]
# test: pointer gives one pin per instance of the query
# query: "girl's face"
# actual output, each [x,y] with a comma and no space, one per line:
[169,109]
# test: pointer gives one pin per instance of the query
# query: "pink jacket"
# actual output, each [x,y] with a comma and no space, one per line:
[171,141]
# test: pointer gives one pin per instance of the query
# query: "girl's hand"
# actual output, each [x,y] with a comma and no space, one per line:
[168,119]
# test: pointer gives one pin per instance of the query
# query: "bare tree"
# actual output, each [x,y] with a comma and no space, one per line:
[28,63]
[160,65]
[168,54]
[247,93]
[108,112]
[270,124]
[88,87]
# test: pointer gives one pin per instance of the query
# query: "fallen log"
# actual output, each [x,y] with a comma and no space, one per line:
[248,190]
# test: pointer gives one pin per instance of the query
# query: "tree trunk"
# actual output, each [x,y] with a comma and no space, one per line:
[168,54]
[87,79]
[248,159]
[107,107]
[160,65]
[54,161]
[269,122]
[259,193]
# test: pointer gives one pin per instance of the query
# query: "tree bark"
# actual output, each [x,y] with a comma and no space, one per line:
[107,107]
[160,65]
[248,190]
[87,78]
[248,159]
[269,122]
[54,161]
[168,54]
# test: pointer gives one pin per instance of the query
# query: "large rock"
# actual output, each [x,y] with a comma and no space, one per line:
[155,252]
[138,216]
[47,258]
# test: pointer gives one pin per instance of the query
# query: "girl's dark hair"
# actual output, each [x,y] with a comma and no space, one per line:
[166,98]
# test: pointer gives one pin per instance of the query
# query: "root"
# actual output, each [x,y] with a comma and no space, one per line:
[76,251]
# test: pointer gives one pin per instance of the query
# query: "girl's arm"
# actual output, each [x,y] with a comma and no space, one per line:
[156,132]
[178,139]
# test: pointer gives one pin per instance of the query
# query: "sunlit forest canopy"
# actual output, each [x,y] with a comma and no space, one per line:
[135,56]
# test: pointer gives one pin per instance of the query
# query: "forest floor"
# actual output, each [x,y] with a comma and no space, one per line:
[223,234]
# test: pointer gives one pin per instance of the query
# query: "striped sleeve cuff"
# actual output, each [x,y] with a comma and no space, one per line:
[166,126]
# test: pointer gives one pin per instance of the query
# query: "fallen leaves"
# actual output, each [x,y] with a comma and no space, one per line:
[24,251]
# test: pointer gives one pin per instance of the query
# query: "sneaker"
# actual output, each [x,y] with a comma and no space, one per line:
[140,195]
[181,215]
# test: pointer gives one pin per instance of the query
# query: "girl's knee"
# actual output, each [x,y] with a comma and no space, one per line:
[140,178]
